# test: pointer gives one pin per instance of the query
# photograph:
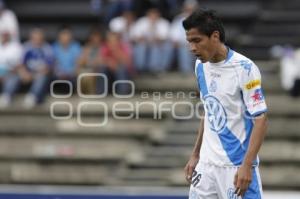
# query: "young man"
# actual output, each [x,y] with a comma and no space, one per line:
[224,162]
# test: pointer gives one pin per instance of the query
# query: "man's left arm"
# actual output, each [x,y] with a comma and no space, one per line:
[243,176]
[250,84]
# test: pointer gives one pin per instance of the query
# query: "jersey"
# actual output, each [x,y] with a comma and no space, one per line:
[232,96]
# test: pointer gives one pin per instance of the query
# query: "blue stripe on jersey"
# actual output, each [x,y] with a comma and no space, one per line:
[201,80]
[229,55]
[248,127]
[254,188]
[231,144]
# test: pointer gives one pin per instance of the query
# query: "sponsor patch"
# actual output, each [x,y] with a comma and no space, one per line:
[252,84]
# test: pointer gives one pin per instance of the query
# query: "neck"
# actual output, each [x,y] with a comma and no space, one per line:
[220,55]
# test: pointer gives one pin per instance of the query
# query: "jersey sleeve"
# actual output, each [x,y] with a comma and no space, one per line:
[251,87]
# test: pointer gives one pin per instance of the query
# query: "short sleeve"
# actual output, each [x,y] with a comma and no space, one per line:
[250,83]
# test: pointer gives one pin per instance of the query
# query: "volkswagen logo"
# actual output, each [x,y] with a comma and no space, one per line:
[216,113]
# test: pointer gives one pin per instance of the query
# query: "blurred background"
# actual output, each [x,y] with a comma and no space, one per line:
[58,138]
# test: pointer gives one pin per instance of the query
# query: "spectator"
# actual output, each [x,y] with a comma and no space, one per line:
[167,7]
[117,59]
[10,59]
[90,61]
[177,35]
[290,68]
[8,22]
[66,53]
[123,25]
[116,7]
[152,49]
[36,67]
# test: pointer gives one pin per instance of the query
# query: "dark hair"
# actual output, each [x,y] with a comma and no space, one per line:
[206,22]
[64,27]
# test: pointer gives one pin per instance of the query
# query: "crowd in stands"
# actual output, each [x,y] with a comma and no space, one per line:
[130,45]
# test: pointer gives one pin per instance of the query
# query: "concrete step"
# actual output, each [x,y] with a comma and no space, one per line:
[272,29]
[158,162]
[274,16]
[179,82]
[46,126]
[270,152]
[66,149]
[280,152]
[266,41]
[135,107]
[149,176]
[59,174]
[282,106]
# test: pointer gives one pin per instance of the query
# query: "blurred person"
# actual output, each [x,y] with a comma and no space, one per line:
[177,34]
[8,22]
[90,61]
[66,53]
[115,8]
[224,161]
[123,25]
[116,55]
[168,8]
[152,50]
[289,68]
[10,59]
[37,65]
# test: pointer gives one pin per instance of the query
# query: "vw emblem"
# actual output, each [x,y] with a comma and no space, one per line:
[216,113]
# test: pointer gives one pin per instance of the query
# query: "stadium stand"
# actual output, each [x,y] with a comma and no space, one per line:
[36,149]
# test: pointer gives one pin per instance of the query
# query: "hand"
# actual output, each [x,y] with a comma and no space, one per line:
[242,179]
[190,167]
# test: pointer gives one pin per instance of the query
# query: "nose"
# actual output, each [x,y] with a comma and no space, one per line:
[192,47]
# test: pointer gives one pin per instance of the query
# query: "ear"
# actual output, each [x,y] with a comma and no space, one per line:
[215,36]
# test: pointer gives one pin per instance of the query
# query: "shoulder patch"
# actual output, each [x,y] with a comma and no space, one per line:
[252,84]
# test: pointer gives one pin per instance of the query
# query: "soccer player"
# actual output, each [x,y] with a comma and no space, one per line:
[224,161]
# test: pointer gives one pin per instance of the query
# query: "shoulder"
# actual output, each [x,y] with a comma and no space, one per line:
[243,64]
[9,13]
[75,45]
[163,22]
[238,58]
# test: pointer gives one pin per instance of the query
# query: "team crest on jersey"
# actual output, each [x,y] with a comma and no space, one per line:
[231,194]
[216,113]
[247,65]
[213,86]
[257,97]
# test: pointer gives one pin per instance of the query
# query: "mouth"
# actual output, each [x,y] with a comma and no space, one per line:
[199,56]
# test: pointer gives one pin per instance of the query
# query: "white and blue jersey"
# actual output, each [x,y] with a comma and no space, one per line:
[232,95]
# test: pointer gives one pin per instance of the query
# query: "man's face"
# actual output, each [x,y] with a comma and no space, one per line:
[202,46]
[65,37]
[37,38]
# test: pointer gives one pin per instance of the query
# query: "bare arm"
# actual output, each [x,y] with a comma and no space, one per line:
[190,166]
[256,139]
[198,143]
[244,175]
